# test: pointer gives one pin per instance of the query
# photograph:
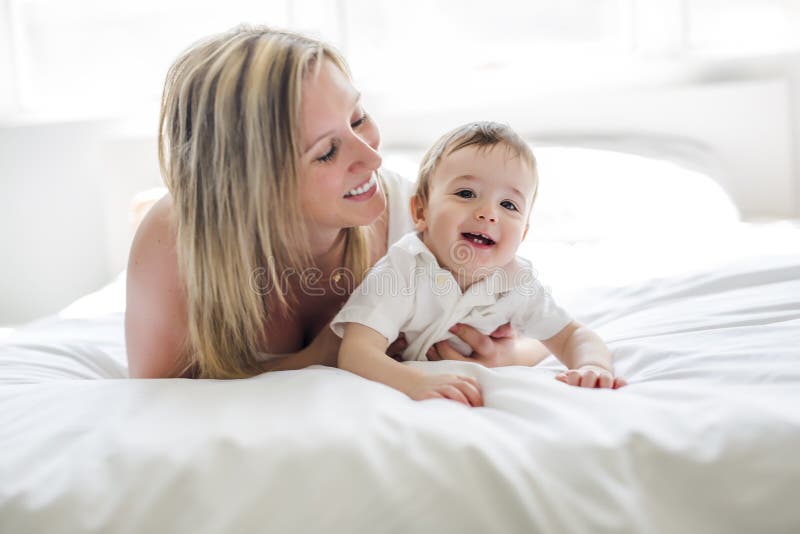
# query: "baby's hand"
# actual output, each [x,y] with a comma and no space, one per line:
[462,389]
[591,376]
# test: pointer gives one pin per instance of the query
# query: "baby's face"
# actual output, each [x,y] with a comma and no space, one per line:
[477,210]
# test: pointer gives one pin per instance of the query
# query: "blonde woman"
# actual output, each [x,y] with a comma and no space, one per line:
[276,209]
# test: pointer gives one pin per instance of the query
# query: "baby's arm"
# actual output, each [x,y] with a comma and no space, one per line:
[363,352]
[588,360]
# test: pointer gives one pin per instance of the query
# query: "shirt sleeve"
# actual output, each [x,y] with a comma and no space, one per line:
[540,316]
[382,302]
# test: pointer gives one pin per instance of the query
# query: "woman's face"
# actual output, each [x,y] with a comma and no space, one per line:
[338,186]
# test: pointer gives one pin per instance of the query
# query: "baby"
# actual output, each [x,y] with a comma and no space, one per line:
[471,208]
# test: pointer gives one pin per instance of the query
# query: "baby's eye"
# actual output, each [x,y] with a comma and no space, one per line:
[507,204]
[465,193]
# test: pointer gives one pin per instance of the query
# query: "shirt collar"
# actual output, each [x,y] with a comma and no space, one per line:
[413,245]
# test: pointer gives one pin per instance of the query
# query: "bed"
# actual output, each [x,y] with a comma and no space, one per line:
[701,311]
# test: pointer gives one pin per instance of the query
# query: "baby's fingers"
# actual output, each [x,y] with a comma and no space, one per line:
[470,387]
[589,379]
[451,392]
[605,381]
[573,378]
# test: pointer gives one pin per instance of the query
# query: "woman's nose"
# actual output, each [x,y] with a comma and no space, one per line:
[368,159]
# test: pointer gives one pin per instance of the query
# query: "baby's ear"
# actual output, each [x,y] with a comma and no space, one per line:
[418,214]
[525,232]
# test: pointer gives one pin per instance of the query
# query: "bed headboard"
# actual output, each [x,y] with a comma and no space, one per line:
[743,129]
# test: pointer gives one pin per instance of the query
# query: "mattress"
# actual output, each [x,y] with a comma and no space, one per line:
[706,329]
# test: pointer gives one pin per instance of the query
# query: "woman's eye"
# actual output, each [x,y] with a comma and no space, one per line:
[328,156]
[465,193]
[360,121]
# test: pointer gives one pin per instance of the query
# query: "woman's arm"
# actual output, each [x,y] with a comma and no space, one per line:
[155,308]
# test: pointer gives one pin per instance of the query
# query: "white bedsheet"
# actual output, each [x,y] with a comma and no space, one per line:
[704,439]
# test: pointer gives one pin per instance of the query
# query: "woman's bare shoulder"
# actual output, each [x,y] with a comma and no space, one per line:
[157,223]
[153,256]
[155,315]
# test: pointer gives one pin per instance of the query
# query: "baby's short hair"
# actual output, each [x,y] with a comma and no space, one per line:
[484,134]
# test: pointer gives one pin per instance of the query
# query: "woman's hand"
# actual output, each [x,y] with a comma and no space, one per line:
[497,349]
[591,376]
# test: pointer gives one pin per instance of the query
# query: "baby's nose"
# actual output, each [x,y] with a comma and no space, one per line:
[485,215]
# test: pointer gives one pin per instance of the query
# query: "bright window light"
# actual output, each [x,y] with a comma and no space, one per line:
[109,57]
[744,26]
[419,41]
[101,56]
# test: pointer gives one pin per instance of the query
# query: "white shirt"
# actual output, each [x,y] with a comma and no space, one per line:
[407,291]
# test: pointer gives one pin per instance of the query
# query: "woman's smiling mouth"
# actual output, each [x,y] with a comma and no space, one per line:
[363,188]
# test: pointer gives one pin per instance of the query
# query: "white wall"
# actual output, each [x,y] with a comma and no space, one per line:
[64,194]
[52,238]
[8,89]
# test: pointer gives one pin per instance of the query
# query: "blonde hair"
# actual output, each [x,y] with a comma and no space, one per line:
[483,134]
[229,150]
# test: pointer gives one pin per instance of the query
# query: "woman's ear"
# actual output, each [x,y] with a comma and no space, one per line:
[418,214]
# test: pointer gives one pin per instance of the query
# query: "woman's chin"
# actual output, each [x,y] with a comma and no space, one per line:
[366,213]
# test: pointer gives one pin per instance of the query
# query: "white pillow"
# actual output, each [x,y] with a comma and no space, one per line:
[592,194]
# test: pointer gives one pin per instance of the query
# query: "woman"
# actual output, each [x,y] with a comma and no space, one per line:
[272,168]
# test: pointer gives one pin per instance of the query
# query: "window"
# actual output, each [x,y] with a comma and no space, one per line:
[110,57]
[101,56]
[744,26]
[423,43]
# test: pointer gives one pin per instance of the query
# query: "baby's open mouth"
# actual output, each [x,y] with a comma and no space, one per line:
[481,239]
